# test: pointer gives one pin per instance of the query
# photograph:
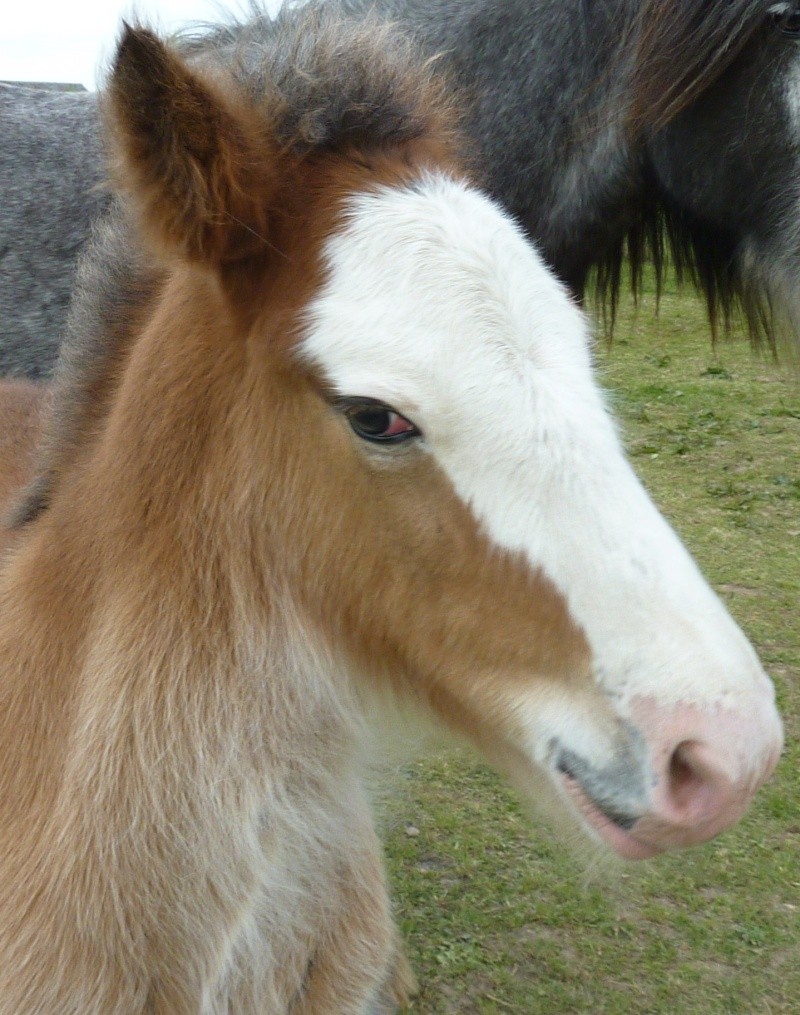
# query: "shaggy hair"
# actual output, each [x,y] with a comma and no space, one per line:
[680,49]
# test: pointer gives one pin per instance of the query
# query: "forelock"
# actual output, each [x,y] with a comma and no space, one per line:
[324,80]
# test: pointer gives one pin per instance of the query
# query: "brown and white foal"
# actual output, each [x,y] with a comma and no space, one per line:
[327,435]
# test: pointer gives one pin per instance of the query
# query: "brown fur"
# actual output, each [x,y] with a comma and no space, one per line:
[219,575]
[331,84]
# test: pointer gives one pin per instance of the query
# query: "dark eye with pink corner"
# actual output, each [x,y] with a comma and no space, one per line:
[377,422]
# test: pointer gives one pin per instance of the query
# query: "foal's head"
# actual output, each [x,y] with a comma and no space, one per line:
[396,395]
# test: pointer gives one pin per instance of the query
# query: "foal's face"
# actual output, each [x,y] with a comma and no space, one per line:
[448,501]
[497,556]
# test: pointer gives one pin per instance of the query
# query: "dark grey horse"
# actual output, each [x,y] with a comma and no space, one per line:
[50,161]
[613,129]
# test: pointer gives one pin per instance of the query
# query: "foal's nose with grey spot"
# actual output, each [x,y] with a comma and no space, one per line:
[683,774]
[708,761]
[620,789]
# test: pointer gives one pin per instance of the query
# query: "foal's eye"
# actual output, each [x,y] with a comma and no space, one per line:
[787,20]
[376,422]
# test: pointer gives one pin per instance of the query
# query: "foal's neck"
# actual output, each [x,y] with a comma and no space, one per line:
[140,646]
[162,727]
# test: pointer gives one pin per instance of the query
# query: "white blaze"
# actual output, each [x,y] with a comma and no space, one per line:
[438,305]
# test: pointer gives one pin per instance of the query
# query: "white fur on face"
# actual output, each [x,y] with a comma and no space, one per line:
[437,305]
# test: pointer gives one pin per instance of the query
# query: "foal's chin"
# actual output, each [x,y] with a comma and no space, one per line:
[601,830]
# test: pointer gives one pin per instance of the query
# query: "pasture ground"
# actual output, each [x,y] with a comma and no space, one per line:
[499,916]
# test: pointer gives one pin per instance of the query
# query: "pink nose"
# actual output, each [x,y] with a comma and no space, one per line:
[708,763]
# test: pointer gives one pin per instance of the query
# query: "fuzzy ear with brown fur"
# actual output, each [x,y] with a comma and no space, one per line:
[199,167]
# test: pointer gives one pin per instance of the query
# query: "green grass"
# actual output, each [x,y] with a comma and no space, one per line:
[498,915]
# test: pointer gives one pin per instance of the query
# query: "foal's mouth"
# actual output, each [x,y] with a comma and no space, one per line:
[612,826]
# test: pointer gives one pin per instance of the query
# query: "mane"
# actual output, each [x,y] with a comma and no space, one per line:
[679,50]
[321,82]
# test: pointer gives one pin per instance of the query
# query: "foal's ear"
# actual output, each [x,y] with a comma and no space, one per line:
[198,167]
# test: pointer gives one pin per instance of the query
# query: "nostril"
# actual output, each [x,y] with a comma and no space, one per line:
[687,783]
[707,763]
[698,789]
